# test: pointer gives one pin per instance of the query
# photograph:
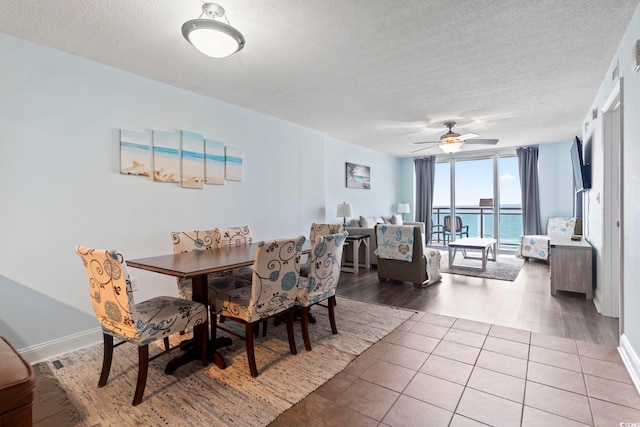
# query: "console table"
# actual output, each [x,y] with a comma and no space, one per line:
[571,266]
[354,241]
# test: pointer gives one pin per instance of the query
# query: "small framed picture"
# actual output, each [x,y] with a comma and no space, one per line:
[358,176]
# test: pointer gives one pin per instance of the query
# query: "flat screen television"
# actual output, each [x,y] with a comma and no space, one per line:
[581,171]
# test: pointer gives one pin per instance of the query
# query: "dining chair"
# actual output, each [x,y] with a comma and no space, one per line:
[319,230]
[138,323]
[233,236]
[320,285]
[459,231]
[276,270]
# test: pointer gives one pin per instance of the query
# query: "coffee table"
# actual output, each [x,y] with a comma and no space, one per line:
[473,243]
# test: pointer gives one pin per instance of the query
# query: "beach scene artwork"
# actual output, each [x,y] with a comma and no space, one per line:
[358,176]
[192,160]
[233,164]
[166,156]
[135,155]
[213,162]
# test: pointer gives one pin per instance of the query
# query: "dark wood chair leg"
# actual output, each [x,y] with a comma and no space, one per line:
[250,353]
[264,328]
[305,328]
[166,343]
[143,367]
[107,356]
[292,340]
[332,315]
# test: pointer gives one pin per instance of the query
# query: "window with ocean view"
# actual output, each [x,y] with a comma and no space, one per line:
[472,199]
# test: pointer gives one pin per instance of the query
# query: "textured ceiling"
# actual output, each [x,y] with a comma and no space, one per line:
[382,74]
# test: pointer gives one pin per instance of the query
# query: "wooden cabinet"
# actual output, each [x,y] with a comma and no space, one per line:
[571,266]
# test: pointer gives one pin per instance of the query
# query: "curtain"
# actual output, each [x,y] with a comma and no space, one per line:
[425,176]
[528,168]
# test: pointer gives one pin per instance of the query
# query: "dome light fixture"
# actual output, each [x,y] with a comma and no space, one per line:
[450,142]
[213,38]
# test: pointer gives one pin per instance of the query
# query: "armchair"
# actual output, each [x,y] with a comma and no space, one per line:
[403,256]
[537,246]
[459,231]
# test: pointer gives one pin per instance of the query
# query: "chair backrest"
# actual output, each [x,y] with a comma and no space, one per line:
[232,236]
[326,259]
[189,241]
[324,230]
[110,290]
[276,270]
[561,226]
[447,223]
[396,242]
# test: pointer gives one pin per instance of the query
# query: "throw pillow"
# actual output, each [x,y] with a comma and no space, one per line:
[397,219]
[378,220]
[367,222]
[387,219]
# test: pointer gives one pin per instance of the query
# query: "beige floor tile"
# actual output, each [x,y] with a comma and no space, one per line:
[418,315]
[498,384]
[501,363]
[460,421]
[554,343]
[460,352]
[463,337]
[388,375]
[610,414]
[435,391]
[378,349]
[335,386]
[408,411]
[407,325]
[439,319]
[368,399]
[510,334]
[556,377]
[594,351]
[472,326]
[313,411]
[418,342]
[489,409]
[560,402]
[509,348]
[393,336]
[359,365]
[555,358]
[612,391]
[447,369]
[429,330]
[532,417]
[404,356]
[604,369]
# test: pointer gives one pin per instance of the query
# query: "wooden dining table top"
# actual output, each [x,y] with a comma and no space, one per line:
[196,263]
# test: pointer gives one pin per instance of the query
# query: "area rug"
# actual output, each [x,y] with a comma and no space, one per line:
[195,395]
[504,268]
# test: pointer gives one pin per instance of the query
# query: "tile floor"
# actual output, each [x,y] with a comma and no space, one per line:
[437,370]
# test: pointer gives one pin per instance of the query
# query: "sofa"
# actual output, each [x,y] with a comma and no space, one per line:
[366,226]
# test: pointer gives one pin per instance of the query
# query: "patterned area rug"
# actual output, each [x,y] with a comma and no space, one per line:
[209,396]
[505,268]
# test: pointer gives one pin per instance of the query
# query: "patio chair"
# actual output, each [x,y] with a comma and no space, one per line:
[461,230]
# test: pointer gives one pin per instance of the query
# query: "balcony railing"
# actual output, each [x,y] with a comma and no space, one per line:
[480,223]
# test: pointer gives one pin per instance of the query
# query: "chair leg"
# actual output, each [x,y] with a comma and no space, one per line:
[143,367]
[264,328]
[250,353]
[292,340]
[304,320]
[332,315]
[107,356]
[166,343]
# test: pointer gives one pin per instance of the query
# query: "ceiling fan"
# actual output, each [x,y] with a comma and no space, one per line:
[452,141]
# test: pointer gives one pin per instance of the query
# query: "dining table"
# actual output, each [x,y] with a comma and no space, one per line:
[197,265]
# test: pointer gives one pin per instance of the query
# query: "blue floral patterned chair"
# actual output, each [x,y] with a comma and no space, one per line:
[532,246]
[320,285]
[273,291]
[141,323]
[319,230]
[233,236]
[403,256]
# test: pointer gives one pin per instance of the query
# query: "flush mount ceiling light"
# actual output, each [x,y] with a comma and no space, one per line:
[211,37]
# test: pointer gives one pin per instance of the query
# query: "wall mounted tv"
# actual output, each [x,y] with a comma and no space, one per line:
[581,171]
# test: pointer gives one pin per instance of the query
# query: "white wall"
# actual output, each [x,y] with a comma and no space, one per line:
[61,186]
[556,181]
[630,341]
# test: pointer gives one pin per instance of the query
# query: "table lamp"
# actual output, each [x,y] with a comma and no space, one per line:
[403,208]
[344,210]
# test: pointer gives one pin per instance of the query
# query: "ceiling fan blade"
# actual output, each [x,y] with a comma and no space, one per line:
[468,136]
[427,142]
[425,148]
[482,141]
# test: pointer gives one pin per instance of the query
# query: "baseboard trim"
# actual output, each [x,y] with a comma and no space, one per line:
[597,301]
[631,360]
[49,349]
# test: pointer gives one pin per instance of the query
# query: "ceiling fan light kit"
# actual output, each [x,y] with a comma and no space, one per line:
[451,141]
[211,37]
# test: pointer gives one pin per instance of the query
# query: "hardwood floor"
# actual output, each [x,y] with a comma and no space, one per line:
[525,303]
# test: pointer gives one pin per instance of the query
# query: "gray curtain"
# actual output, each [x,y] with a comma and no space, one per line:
[528,167]
[425,176]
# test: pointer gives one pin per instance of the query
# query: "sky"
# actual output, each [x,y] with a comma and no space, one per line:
[474,181]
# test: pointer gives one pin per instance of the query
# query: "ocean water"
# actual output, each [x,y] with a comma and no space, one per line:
[510,223]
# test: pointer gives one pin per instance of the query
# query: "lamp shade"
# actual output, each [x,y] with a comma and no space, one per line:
[344,210]
[403,208]
[450,147]
[213,38]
